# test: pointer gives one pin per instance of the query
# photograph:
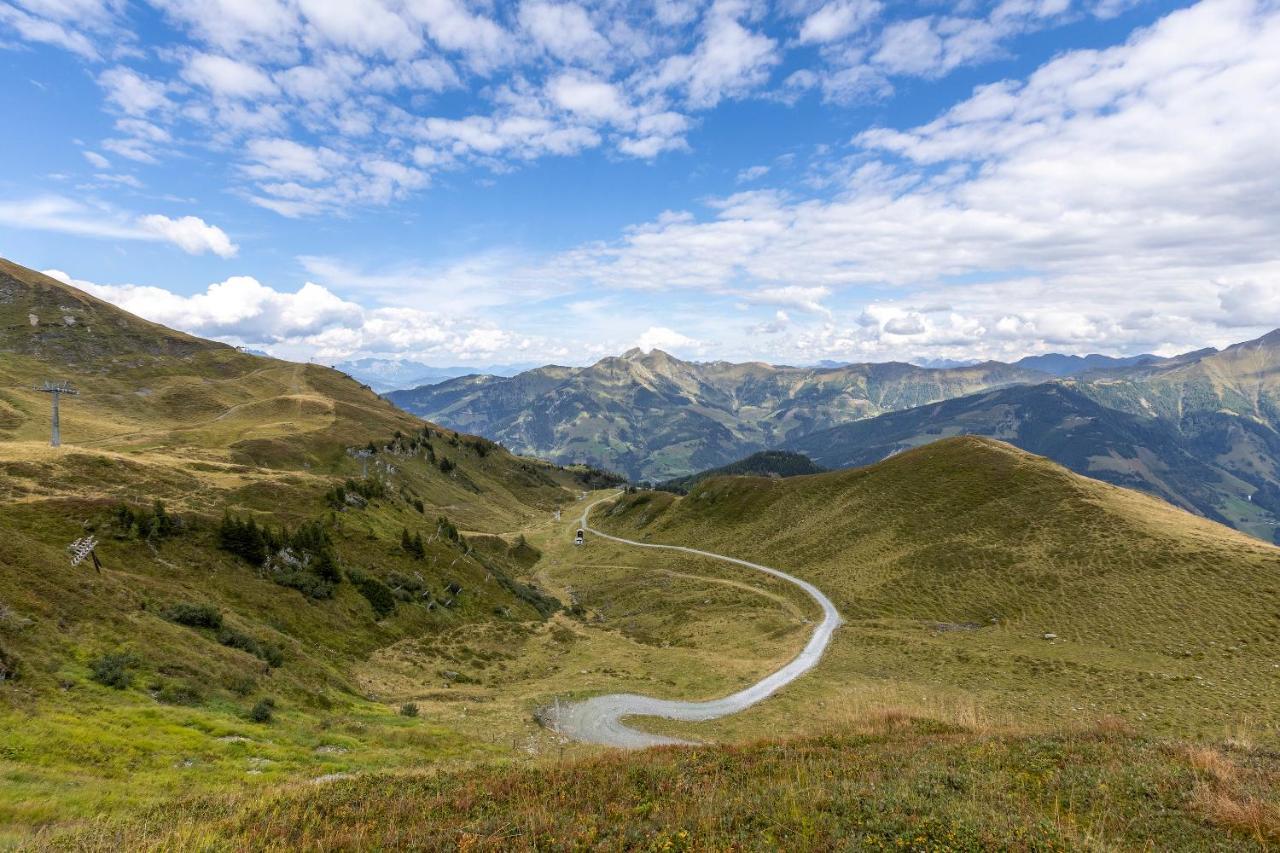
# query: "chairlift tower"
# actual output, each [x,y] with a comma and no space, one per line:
[56,391]
[363,455]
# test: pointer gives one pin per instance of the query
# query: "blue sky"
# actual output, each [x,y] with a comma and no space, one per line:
[447,183]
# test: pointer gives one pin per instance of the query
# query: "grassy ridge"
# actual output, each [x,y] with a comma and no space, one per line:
[895,784]
[182,667]
[972,570]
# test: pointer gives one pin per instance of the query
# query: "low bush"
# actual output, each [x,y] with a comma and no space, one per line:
[268,652]
[263,711]
[114,669]
[409,709]
[378,593]
[10,666]
[194,615]
[178,693]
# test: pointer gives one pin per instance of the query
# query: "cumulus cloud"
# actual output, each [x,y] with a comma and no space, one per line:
[729,60]
[190,233]
[310,321]
[837,19]
[660,337]
[228,78]
[563,29]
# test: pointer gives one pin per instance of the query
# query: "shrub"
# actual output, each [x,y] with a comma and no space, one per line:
[417,504]
[446,528]
[368,488]
[176,693]
[114,669]
[409,709]
[378,593]
[446,465]
[268,652]
[241,685]
[263,711]
[10,666]
[195,615]
[300,579]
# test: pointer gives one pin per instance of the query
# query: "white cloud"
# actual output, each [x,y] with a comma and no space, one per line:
[453,27]
[45,31]
[68,216]
[729,60]
[838,19]
[367,26]
[191,234]
[910,47]
[1248,303]
[228,78]
[660,337]
[557,76]
[96,159]
[280,159]
[311,321]
[563,29]
[1069,204]
[238,26]
[752,173]
[132,92]
[589,97]
[794,296]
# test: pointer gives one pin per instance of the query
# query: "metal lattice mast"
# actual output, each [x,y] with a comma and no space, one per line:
[56,391]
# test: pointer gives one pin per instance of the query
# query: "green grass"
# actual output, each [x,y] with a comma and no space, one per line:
[896,784]
[952,562]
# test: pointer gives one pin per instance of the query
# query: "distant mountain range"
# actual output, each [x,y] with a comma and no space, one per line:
[1201,430]
[652,416]
[387,374]
[1057,364]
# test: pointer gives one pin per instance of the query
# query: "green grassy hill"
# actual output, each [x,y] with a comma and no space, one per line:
[766,463]
[1061,422]
[172,447]
[972,570]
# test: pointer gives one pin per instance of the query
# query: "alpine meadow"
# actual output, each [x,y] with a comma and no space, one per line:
[697,425]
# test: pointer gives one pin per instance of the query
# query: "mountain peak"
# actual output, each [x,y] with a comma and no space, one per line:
[655,354]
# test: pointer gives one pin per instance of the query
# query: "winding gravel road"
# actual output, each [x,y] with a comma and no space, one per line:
[599,719]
